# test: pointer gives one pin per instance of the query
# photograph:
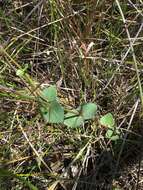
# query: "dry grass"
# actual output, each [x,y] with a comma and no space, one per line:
[92,50]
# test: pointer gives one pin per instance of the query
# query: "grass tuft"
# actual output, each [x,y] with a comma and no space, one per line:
[91,52]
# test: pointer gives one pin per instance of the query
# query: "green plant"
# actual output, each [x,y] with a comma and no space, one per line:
[53,112]
[92,47]
[21,72]
[112,132]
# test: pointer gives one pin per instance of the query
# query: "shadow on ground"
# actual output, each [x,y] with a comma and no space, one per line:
[108,174]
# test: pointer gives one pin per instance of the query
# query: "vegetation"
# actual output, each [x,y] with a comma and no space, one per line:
[71,96]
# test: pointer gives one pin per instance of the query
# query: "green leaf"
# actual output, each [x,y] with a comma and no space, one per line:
[50,93]
[107,120]
[20,72]
[73,120]
[113,134]
[54,113]
[88,110]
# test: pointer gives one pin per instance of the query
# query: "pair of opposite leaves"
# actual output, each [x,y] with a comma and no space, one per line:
[53,112]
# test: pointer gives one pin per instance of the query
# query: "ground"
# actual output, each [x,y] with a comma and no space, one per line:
[90,51]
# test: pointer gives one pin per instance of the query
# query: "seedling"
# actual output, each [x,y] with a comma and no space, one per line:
[53,112]
[109,122]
